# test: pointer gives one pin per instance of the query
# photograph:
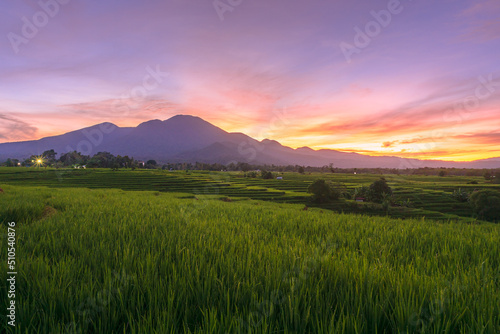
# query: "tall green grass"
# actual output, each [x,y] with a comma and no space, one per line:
[113,261]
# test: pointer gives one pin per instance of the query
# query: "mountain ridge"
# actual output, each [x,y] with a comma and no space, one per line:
[186,138]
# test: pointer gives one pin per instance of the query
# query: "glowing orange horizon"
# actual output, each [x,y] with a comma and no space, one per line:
[357,145]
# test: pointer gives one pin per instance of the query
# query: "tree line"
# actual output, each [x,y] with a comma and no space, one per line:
[108,160]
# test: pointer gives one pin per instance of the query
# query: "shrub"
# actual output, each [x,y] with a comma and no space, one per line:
[361,192]
[486,204]
[405,203]
[267,175]
[378,191]
[461,195]
[496,178]
[324,191]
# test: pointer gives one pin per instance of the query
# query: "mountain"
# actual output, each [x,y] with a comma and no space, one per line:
[184,138]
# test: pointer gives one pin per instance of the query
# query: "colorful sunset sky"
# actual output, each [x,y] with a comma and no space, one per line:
[417,79]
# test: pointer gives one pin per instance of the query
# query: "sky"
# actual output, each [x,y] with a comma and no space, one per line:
[409,78]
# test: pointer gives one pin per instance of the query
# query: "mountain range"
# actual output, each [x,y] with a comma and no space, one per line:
[185,138]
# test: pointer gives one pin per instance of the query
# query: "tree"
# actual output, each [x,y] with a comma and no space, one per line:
[104,159]
[486,204]
[461,195]
[442,173]
[331,168]
[243,166]
[496,178]
[151,163]
[73,158]
[324,191]
[301,170]
[378,191]
[487,176]
[49,156]
[267,175]
[361,192]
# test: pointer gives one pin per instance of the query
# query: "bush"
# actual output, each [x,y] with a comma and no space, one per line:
[324,191]
[405,203]
[486,204]
[267,175]
[496,178]
[378,191]
[361,192]
[461,195]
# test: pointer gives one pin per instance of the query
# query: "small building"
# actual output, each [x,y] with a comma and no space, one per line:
[279,178]
[360,199]
[141,163]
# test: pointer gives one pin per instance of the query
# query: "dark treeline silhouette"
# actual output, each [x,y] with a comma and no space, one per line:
[108,160]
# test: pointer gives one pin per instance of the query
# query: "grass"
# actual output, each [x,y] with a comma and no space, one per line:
[115,261]
[431,196]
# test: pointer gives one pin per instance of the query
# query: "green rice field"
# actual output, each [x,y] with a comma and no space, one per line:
[151,251]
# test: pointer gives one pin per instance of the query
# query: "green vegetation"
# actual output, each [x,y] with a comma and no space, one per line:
[379,191]
[461,195]
[114,261]
[414,196]
[324,191]
[486,204]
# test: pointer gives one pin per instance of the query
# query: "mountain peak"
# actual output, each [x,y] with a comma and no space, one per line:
[270,142]
[305,149]
[183,117]
[186,120]
[190,123]
[153,124]
[185,138]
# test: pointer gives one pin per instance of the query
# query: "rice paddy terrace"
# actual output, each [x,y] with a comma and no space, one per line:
[152,251]
[115,261]
[430,196]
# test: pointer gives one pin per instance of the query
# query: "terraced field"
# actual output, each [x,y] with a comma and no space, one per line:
[205,252]
[430,196]
[115,261]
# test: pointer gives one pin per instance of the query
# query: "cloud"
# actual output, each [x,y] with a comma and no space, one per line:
[389,143]
[481,21]
[125,108]
[12,129]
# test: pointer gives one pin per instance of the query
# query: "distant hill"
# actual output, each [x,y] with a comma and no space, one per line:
[184,138]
